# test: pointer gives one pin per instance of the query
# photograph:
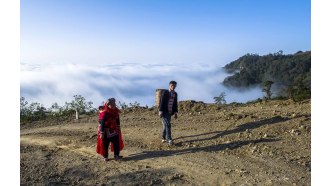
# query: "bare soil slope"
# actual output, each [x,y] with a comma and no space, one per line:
[264,143]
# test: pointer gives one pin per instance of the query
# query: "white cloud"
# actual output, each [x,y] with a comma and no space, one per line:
[128,82]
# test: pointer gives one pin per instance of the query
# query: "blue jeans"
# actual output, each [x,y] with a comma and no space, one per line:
[166,120]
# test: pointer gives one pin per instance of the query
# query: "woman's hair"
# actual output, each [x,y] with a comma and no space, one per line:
[111,99]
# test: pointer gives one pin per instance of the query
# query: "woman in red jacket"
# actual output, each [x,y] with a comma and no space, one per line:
[109,131]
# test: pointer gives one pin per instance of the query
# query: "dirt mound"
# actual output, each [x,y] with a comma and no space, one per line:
[260,143]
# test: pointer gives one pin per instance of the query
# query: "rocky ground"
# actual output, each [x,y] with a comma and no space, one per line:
[261,143]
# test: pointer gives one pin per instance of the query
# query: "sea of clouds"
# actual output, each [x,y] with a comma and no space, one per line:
[127,82]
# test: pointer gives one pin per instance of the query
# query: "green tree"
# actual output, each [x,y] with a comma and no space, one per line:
[134,105]
[123,105]
[79,105]
[267,89]
[300,91]
[23,107]
[31,112]
[56,110]
[220,99]
[55,107]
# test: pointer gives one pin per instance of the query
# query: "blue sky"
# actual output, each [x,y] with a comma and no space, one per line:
[66,31]
[188,41]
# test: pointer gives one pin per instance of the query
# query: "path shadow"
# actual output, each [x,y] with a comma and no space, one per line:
[238,129]
[213,148]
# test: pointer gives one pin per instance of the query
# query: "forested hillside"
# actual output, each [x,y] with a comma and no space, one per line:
[291,74]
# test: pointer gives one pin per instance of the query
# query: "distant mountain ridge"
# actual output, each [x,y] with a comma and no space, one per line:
[290,72]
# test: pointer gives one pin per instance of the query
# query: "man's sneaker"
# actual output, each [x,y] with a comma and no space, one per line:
[106,159]
[163,141]
[170,142]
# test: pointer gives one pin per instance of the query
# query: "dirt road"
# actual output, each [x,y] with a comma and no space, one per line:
[264,143]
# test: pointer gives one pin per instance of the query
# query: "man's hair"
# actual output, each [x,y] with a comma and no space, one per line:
[173,82]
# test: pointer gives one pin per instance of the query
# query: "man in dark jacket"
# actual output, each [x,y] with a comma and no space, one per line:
[168,107]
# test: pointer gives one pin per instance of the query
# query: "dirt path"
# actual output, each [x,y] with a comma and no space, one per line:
[256,144]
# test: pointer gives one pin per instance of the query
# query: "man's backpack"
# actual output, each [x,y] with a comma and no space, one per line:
[159,93]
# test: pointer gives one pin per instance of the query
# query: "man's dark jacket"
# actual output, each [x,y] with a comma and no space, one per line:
[163,106]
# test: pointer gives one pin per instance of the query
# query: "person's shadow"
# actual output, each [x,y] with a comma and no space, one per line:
[238,129]
[212,148]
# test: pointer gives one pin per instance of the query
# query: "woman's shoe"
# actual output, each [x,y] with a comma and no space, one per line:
[117,158]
